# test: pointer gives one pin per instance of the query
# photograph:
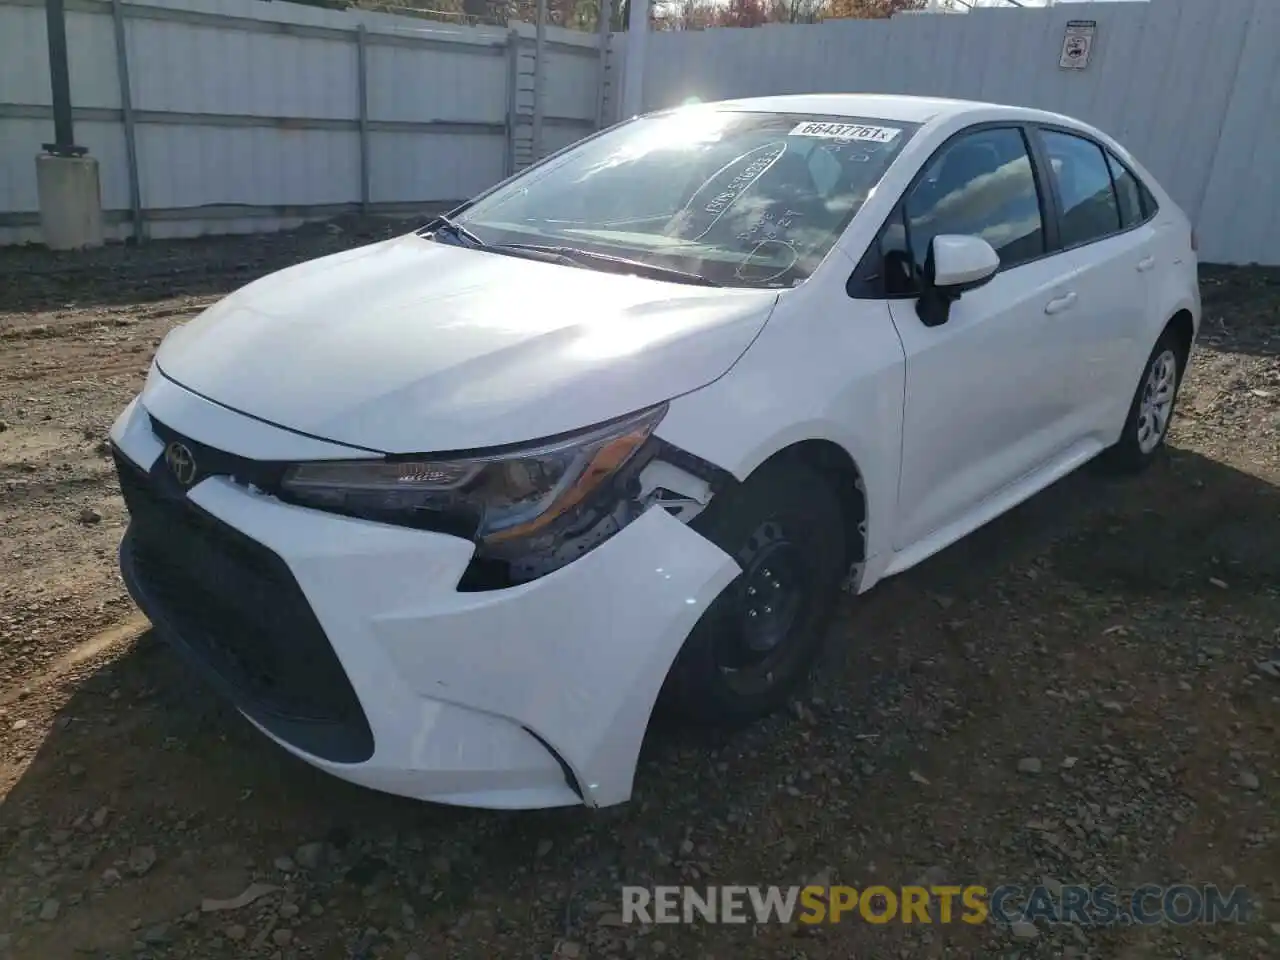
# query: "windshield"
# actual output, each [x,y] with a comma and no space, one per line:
[739,199]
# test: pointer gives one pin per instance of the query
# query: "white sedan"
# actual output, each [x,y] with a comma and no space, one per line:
[449,514]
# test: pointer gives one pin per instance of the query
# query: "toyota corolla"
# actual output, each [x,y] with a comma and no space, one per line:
[449,515]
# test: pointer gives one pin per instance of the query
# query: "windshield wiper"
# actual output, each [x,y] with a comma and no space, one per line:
[576,257]
[456,230]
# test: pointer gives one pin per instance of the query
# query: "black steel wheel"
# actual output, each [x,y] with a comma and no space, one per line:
[757,642]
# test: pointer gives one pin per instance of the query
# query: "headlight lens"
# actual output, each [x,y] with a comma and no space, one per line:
[492,498]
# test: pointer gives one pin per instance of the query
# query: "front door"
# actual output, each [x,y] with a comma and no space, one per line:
[985,392]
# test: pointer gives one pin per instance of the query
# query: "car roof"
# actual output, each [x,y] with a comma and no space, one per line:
[905,109]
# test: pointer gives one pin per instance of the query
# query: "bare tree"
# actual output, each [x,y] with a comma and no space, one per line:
[868,9]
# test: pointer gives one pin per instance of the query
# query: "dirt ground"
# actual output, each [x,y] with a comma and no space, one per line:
[1124,634]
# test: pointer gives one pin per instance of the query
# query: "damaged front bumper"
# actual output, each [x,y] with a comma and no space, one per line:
[533,695]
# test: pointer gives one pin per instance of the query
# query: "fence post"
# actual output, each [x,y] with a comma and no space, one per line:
[64,141]
[513,98]
[130,127]
[362,80]
[606,16]
[539,75]
[633,82]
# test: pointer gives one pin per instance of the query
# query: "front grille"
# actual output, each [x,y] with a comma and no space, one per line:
[211,462]
[233,606]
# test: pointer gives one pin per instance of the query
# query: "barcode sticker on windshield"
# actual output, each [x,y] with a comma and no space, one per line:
[846,131]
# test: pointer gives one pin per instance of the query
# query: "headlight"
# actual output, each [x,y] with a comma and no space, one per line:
[493,498]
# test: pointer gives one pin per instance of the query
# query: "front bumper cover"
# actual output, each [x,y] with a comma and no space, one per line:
[531,696]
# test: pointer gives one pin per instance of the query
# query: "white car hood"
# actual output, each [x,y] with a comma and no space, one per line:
[414,346]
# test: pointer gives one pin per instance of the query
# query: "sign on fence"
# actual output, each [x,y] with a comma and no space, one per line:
[1077,44]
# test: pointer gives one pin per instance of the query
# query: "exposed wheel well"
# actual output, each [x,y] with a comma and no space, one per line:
[1183,329]
[833,462]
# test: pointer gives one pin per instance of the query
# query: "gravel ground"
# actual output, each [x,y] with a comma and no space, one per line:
[1084,692]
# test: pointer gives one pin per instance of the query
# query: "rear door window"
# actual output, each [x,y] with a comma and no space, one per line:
[1080,172]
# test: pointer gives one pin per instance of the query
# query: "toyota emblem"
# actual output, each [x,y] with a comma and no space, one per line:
[181,462]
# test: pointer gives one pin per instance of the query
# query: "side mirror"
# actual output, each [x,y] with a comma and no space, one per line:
[955,264]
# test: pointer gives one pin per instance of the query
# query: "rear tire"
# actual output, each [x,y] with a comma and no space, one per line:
[1151,411]
[757,642]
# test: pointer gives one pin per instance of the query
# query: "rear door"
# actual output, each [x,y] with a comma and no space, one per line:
[1111,244]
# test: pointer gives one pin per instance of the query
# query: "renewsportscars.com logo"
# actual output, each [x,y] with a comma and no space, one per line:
[1148,904]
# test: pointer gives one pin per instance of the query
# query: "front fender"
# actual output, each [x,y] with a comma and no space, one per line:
[825,367]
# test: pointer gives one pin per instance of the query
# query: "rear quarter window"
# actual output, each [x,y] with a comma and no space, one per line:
[1128,193]
[1149,206]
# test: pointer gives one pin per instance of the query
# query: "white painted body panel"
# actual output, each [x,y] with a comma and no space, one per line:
[413,347]
[824,368]
[1108,331]
[985,395]
[963,261]
[483,349]
[244,436]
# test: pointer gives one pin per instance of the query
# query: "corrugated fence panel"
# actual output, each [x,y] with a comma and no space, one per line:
[24,59]
[1186,114]
[571,86]
[256,105]
[1240,218]
[410,167]
[21,142]
[1108,100]
[192,166]
[464,84]
[915,72]
[91,48]
[872,68]
[249,113]
[207,69]
[24,80]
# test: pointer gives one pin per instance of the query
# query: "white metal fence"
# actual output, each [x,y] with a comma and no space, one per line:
[1192,87]
[244,115]
[247,115]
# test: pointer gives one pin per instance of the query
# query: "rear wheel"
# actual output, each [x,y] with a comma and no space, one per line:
[1151,410]
[757,642]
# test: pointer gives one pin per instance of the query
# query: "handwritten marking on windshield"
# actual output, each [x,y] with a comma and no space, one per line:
[725,197]
[766,228]
[740,271]
[739,184]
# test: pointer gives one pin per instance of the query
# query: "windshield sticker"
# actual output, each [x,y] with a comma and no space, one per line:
[845,131]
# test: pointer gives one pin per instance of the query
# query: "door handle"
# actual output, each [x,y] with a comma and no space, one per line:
[1058,304]
[1146,263]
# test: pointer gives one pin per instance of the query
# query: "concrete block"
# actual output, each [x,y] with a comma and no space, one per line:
[70,201]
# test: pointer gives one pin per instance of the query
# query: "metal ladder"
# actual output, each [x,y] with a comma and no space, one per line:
[523,123]
[521,97]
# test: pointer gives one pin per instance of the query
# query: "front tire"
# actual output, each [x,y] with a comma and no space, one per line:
[1151,412]
[757,642]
